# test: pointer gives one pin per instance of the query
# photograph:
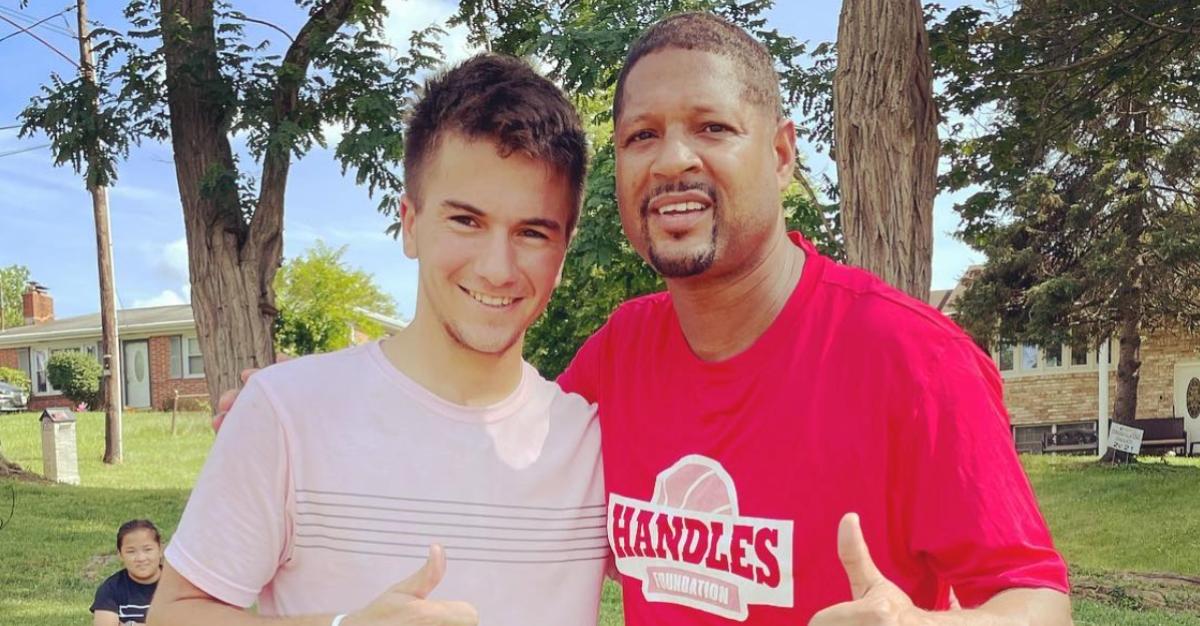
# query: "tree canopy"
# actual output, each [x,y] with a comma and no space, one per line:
[322,301]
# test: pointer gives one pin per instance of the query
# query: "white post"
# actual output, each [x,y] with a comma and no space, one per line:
[1102,425]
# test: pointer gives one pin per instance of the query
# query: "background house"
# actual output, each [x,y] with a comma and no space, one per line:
[1056,388]
[160,352]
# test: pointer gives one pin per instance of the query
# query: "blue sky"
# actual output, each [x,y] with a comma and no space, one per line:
[46,219]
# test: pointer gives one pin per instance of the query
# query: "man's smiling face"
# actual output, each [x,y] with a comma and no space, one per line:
[490,236]
[699,170]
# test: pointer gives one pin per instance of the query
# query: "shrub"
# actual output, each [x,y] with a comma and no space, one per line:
[16,377]
[77,376]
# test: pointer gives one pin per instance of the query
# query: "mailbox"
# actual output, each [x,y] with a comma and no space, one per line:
[60,461]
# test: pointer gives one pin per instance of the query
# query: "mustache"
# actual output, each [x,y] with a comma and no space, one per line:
[679,187]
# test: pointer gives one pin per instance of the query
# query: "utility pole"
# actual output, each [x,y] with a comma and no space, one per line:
[110,345]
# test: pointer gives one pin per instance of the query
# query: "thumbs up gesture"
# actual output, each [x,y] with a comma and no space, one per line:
[406,603]
[876,600]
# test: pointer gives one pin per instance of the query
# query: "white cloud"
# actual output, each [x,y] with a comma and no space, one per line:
[406,16]
[172,260]
[136,193]
[166,298]
[333,133]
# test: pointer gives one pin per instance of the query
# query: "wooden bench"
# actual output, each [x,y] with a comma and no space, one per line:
[1162,433]
[1071,440]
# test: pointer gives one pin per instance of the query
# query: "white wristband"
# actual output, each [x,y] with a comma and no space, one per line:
[337,620]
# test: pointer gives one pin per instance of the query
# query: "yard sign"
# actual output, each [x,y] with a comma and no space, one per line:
[1125,438]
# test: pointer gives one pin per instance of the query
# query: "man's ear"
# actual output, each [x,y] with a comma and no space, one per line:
[785,152]
[408,218]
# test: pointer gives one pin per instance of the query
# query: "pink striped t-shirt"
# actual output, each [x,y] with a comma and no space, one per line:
[333,474]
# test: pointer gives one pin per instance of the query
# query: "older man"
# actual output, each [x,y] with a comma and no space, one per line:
[771,394]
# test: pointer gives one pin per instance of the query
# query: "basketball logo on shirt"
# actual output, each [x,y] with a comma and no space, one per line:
[690,546]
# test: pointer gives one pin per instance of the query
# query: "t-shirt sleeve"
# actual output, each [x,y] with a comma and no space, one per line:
[235,530]
[582,376]
[106,598]
[974,518]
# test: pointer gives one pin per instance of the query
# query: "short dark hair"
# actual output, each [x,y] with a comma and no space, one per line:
[137,524]
[706,32]
[502,99]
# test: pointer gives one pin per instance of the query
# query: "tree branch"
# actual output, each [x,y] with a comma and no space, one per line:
[268,215]
[237,15]
[266,226]
[1169,29]
[1116,51]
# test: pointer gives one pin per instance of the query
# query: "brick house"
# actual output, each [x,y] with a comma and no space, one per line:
[160,351]
[1057,388]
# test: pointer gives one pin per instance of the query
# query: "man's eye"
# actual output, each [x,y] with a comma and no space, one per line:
[715,127]
[535,234]
[465,220]
[640,135]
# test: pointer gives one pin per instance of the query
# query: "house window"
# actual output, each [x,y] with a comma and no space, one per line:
[1053,356]
[1030,438]
[195,360]
[176,358]
[1079,354]
[186,359]
[41,378]
[23,362]
[1004,357]
[37,361]
[1029,357]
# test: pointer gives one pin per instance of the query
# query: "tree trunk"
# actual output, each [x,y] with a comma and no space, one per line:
[231,273]
[885,140]
[232,260]
[1130,298]
[1129,366]
[1130,292]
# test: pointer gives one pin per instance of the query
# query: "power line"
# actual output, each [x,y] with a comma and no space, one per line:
[31,22]
[10,127]
[54,28]
[12,152]
[44,42]
[38,23]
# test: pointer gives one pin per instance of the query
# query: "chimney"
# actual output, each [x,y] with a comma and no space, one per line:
[38,305]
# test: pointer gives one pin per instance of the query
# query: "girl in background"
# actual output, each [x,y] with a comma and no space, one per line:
[124,597]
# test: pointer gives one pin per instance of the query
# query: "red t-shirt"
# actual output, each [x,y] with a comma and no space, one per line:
[726,480]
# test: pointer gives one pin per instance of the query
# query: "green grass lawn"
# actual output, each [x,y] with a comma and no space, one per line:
[58,544]
[1122,518]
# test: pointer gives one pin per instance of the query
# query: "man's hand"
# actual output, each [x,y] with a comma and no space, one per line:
[406,603]
[877,601]
[225,402]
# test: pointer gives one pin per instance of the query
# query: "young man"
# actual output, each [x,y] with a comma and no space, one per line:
[334,474]
[770,393]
